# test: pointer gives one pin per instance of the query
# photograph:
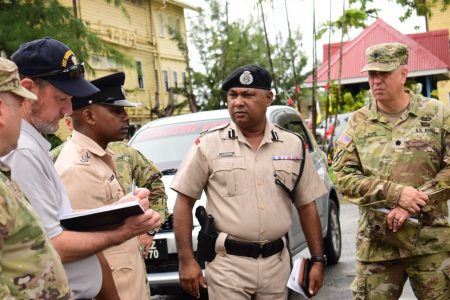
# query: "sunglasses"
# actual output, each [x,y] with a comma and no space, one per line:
[75,72]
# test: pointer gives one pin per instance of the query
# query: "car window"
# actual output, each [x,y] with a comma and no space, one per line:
[297,127]
[166,145]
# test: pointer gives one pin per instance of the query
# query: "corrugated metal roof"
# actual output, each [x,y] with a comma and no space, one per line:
[436,42]
[421,60]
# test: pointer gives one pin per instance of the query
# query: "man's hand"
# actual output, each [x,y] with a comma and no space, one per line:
[396,217]
[191,277]
[137,225]
[145,242]
[316,275]
[412,199]
[141,195]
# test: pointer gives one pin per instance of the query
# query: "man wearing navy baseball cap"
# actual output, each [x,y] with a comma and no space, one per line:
[50,70]
[53,61]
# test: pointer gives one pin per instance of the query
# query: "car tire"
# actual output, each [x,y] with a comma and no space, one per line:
[333,240]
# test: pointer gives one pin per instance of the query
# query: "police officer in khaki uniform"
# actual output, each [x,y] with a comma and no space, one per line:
[88,172]
[235,164]
[395,155]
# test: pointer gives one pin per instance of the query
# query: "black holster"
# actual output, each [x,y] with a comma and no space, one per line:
[207,236]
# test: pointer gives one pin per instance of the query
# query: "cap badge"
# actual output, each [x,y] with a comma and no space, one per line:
[68,55]
[246,78]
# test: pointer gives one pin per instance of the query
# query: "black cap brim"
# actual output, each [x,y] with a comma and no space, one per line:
[75,87]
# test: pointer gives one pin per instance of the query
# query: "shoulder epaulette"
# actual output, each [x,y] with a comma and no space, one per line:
[214,129]
[83,158]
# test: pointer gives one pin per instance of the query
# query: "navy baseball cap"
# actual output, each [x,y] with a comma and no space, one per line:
[111,93]
[55,62]
[250,76]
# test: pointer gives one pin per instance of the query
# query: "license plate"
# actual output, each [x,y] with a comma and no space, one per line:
[158,250]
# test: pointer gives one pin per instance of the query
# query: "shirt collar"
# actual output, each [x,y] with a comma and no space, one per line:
[35,134]
[4,168]
[267,138]
[87,143]
[412,108]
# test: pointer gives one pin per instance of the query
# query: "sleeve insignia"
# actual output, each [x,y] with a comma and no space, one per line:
[344,140]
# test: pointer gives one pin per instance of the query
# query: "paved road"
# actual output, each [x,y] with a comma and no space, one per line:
[338,277]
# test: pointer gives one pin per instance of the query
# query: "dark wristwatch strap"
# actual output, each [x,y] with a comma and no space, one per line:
[322,259]
[151,232]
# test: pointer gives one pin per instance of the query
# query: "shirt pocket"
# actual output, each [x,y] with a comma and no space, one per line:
[113,189]
[122,271]
[229,174]
[287,171]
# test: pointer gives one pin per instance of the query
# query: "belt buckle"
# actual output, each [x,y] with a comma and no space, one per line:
[264,249]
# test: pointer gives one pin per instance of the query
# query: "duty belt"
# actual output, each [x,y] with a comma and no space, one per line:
[253,250]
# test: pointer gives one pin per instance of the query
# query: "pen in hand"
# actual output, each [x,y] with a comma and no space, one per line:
[133,187]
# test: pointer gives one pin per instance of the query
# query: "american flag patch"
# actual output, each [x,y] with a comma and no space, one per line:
[344,140]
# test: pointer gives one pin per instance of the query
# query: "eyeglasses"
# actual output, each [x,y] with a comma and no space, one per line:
[75,72]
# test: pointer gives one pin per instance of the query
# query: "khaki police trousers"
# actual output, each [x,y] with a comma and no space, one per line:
[238,277]
[429,276]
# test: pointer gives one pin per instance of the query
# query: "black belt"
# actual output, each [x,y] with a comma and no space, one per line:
[253,249]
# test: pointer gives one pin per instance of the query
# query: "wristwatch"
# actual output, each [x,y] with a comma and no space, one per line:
[322,259]
[152,232]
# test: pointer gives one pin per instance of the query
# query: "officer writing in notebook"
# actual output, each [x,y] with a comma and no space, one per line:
[235,165]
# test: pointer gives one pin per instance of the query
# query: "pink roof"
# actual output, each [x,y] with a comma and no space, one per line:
[428,54]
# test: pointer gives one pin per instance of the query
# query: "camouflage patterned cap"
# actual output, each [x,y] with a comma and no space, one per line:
[386,57]
[10,81]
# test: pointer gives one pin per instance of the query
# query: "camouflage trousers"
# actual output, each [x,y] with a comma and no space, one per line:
[429,276]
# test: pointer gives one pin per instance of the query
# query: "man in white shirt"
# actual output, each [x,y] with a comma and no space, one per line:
[50,70]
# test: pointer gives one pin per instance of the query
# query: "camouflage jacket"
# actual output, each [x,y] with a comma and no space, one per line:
[132,164]
[374,160]
[29,266]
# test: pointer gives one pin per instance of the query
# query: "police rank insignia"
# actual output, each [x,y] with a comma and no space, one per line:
[286,157]
[246,78]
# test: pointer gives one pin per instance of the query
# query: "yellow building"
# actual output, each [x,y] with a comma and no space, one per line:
[440,20]
[143,34]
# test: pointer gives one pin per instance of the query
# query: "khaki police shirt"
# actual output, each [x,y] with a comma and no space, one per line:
[239,181]
[88,174]
[87,171]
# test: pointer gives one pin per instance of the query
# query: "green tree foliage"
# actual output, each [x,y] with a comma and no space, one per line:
[421,7]
[283,67]
[223,46]
[26,20]
[348,103]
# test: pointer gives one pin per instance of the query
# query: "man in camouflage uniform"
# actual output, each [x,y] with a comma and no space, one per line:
[394,152]
[29,266]
[132,164]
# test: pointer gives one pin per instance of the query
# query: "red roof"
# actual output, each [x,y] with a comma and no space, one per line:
[428,54]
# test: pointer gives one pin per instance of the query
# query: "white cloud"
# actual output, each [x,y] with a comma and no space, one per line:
[301,17]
